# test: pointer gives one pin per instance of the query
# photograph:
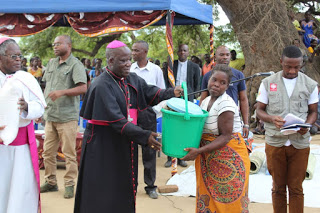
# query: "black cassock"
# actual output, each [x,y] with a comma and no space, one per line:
[108,171]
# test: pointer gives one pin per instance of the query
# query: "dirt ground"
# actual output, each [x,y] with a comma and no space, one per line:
[54,202]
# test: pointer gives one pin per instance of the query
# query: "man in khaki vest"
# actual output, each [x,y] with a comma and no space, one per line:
[288,91]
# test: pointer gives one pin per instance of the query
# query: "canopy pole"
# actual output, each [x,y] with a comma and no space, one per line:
[211,46]
[169,25]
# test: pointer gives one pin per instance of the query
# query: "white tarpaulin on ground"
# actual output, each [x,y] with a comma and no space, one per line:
[259,184]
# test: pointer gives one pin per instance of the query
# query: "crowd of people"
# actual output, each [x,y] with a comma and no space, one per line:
[117,103]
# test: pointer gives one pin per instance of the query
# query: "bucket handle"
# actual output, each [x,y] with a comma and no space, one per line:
[185,94]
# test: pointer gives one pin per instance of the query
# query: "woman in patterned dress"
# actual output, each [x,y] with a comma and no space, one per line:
[222,160]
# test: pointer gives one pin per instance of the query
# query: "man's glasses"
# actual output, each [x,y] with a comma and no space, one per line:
[56,44]
[14,57]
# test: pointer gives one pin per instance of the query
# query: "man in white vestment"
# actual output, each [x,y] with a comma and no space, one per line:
[19,170]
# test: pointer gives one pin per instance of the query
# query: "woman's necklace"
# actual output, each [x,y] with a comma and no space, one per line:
[127,96]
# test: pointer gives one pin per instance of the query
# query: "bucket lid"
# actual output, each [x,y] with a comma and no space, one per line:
[179,105]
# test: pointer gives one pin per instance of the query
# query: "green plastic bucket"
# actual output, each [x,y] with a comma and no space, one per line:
[181,130]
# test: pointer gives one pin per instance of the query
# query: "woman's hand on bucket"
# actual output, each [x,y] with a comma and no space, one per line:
[153,143]
[192,155]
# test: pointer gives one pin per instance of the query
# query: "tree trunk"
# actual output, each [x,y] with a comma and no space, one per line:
[263,29]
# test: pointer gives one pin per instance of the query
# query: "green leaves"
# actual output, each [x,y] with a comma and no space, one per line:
[40,44]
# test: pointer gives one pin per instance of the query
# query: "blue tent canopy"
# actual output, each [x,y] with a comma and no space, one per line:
[187,11]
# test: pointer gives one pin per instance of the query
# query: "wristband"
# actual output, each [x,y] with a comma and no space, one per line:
[246,126]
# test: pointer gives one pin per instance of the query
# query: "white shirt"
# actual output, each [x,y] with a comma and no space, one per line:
[222,104]
[151,73]
[182,72]
[289,84]
[32,94]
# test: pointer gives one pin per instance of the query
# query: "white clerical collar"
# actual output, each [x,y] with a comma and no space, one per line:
[183,62]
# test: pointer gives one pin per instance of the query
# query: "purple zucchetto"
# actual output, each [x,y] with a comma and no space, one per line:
[115,44]
[3,39]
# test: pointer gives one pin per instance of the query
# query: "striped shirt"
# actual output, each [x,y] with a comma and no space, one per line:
[222,104]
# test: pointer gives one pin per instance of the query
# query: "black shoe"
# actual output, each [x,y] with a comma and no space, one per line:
[168,164]
[46,187]
[182,163]
[153,194]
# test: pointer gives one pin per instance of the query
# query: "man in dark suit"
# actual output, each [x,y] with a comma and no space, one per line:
[184,70]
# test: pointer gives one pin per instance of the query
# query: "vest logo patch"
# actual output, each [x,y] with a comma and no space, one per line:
[273,87]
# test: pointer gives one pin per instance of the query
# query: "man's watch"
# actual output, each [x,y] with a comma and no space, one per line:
[246,126]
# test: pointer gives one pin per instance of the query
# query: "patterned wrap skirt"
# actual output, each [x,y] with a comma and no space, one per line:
[223,176]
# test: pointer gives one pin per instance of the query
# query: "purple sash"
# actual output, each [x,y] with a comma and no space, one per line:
[34,156]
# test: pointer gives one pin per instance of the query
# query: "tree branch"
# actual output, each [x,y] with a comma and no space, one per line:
[132,36]
[98,45]
[305,1]
[309,4]
[83,51]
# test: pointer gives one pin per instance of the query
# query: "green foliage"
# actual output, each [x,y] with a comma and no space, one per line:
[224,35]
[197,37]
[156,38]
[40,44]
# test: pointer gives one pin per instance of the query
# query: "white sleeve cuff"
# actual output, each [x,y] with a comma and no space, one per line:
[35,110]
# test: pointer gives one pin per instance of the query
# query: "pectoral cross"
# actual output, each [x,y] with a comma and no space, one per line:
[130,119]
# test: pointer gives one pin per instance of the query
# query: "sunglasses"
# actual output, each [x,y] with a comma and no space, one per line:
[14,57]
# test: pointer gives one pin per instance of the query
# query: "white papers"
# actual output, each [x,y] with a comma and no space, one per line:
[293,124]
[292,119]
[289,131]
